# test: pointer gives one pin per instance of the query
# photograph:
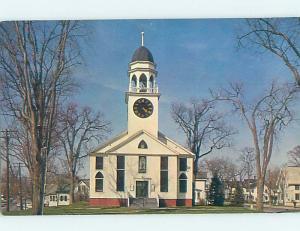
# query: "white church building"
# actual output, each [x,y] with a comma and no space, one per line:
[141,167]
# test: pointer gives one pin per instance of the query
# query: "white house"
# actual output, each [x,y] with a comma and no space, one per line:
[82,189]
[141,166]
[201,189]
[289,186]
[251,195]
[249,191]
[57,195]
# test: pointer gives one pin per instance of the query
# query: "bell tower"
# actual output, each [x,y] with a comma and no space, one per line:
[142,95]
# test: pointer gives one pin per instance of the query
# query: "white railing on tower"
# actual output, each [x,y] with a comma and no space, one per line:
[144,89]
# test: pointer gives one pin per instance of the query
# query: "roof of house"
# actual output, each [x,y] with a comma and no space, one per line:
[55,188]
[86,181]
[201,175]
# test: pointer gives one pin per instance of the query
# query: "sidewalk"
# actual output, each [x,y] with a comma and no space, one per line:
[278,208]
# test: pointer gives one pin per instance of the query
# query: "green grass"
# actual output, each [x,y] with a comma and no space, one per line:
[82,208]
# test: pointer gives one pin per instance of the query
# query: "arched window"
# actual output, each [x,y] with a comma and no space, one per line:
[143,83]
[99,182]
[182,183]
[151,83]
[143,145]
[133,83]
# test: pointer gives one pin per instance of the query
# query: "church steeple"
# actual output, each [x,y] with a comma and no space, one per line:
[142,95]
[142,70]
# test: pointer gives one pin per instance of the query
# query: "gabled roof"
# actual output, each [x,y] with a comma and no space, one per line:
[109,142]
[128,144]
[85,181]
[55,188]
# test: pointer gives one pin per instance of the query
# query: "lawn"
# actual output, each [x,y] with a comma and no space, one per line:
[83,208]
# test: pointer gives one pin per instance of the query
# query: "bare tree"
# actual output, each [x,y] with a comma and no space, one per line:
[280,36]
[224,168]
[265,118]
[294,156]
[247,162]
[79,129]
[36,61]
[204,127]
[282,184]
[271,182]
[247,167]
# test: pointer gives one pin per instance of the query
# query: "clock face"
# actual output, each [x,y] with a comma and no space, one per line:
[143,108]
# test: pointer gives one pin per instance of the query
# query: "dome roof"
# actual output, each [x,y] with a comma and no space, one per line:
[142,54]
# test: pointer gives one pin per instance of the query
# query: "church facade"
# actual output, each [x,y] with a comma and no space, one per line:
[141,166]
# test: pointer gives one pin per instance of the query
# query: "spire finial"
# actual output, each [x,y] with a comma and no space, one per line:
[142,33]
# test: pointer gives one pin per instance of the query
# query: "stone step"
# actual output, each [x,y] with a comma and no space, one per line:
[143,203]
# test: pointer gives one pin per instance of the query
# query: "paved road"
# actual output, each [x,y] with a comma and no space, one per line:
[280,209]
[277,208]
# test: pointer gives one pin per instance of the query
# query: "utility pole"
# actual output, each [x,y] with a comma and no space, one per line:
[6,137]
[7,171]
[44,150]
[20,182]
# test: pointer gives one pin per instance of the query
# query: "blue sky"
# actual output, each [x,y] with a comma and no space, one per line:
[191,56]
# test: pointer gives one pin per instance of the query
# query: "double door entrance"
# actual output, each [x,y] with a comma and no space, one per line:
[142,189]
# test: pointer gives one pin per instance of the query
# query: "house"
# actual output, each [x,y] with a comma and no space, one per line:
[251,195]
[141,167]
[82,189]
[289,186]
[249,190]
[57,195]
[201,188]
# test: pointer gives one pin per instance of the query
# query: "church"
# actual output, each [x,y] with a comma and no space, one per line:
[141,167]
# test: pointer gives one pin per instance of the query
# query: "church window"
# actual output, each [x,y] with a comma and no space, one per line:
[120,173]
[143,83]
[99,162]
[99,182]
[182,164]
[297,187]
[142,164]
[61,198]
[297,196]
[182,183]
[143,145]
[164,174]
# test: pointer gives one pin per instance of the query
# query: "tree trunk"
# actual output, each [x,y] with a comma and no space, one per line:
[195,172]
[270,197]
[72,197]
[260,195]
[35,191]
[42,188]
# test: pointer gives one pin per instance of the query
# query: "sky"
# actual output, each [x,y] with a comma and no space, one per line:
[191,56]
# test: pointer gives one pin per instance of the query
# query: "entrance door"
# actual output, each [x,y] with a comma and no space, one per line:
[142,189]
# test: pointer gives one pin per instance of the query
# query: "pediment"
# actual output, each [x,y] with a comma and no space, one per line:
[132,145]
[142,142]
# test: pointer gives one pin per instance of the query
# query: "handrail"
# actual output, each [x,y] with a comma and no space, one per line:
[144,89]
